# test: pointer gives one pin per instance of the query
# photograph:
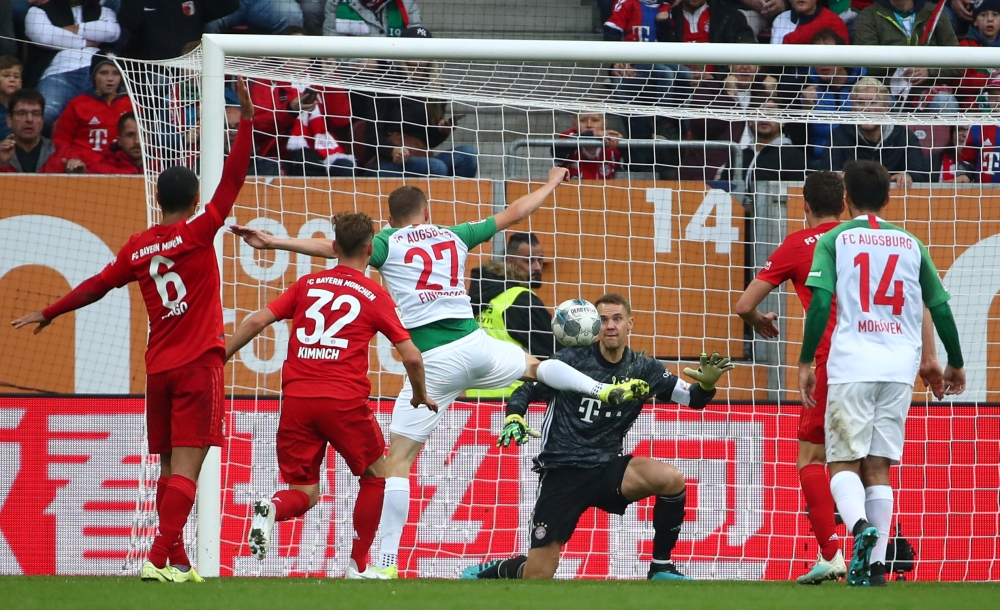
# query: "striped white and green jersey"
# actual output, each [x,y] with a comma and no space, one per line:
[424,268]
[882,276]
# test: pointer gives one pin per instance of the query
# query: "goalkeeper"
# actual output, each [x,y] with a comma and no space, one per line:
[581,465]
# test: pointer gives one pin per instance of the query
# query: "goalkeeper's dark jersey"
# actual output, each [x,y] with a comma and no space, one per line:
[582,432]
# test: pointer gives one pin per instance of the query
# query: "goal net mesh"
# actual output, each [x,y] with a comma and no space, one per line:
[688,179]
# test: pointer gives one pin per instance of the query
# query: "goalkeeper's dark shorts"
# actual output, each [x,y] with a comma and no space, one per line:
[564,494]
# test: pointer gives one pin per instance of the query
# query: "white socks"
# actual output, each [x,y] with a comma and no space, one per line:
[560,376]
[395,510]
[878,507]
[848,492]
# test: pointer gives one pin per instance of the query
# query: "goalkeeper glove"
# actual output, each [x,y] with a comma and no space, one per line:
[517,430]
[712,367]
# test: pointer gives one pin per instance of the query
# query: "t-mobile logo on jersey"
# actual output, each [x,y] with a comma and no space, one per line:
[98,138]
[592,407]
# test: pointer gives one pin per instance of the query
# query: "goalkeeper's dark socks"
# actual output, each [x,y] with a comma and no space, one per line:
[367,514]
[289,503]
[508,568]
[174,510]
[668,515]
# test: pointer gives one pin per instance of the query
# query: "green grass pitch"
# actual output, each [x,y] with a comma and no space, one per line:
[62,593]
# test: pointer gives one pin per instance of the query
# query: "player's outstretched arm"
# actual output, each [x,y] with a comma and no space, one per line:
[414,364]
[255,238]
[931,372]
[89,291]
[762,323]
[524,207]
[708,373]
[516,428]
[250,328]
[816,320]
[234,172]
[954,373]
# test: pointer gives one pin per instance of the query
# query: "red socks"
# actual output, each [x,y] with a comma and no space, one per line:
[178,556]
[819,505]
[289,503]
[175,506]
[367,514]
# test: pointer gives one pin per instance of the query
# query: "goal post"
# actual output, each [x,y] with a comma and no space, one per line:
[698,236]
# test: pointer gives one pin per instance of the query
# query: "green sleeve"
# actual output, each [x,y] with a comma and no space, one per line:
[931,288]
[823,273]
[475,233]
[816,321]
[380,249]
[944,322]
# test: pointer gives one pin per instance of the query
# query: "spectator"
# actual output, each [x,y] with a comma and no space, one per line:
[760,13]
[159,29]
[90,122]
[771,155]
[79,27]
[268,16]
[947,163]
[805,19]
[505,304]
[704,21]
[984,33]
[388,18]
[828,89]
[10,81]
[982,147]
[406,130]
[26,150]
[894,146]
[905,23]
[592,162]
[961,15]
[125,155]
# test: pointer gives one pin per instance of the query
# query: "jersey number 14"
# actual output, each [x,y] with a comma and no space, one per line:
[897,300]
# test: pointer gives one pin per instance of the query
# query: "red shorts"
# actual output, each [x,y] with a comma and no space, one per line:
[184,408]
[812,420]
[308,424]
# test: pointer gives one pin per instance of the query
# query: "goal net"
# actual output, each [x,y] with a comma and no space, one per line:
[688,165]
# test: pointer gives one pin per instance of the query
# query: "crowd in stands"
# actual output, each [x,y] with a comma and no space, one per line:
[87,123]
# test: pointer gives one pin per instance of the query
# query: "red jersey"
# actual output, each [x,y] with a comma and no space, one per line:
[636,19]
[335,313]
[89,125]
[178,275]
[274,118]
[598,165]
[116,162]
[792,261]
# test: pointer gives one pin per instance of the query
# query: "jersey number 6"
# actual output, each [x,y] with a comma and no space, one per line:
[327,337]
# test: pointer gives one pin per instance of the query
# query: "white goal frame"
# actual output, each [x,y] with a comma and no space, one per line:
[216,47]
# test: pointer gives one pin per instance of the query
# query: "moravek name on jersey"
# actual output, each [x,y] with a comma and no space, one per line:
[888,240]
[418,235]
[337,281]
[157,248]
[880,326]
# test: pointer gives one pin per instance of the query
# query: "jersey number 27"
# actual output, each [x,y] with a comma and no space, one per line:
[439,252]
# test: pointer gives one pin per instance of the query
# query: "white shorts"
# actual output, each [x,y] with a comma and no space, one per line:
[866,418]
[475,361]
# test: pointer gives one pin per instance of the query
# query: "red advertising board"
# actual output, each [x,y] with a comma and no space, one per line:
[71,465]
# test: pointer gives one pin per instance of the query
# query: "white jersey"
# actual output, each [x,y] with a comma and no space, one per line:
[881,276]
[424,269]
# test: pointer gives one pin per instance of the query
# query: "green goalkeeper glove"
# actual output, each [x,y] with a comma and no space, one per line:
[517,430]
[712,367]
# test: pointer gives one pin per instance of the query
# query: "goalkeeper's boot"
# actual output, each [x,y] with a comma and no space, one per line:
[865,537]
[665,571]
[824,570]
[486,569]
[389,573]
[370,573]
[626,391]
[185,575]
[877,577]
[152,573]
[260,530]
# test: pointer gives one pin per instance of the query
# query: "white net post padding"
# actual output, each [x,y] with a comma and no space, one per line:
[679,229]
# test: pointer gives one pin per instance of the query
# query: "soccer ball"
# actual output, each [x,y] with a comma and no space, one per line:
[576,323]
